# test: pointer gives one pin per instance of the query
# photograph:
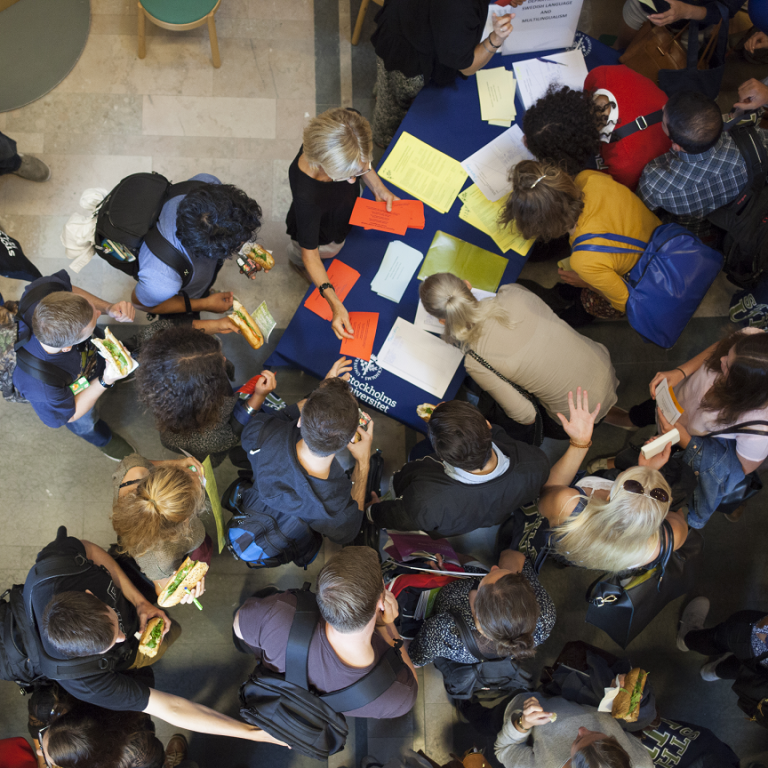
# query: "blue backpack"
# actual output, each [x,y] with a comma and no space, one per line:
[666,286]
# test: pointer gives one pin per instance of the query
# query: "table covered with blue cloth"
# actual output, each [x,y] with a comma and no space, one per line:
[447,119]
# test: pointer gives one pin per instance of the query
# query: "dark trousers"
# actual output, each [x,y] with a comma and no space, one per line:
[9,157]
[733,635]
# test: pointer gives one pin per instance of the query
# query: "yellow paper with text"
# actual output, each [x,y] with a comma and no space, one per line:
[213,495]
[424,172]
[496,89]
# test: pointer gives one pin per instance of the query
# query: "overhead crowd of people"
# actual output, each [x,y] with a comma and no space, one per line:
[80,634]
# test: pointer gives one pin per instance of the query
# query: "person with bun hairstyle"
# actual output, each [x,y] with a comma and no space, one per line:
[156,515]
[521,338]
[547,203]
[507,610]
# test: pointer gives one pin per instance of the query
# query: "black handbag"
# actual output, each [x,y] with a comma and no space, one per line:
[751,687]
[488,677]
[705,74]
[623,612]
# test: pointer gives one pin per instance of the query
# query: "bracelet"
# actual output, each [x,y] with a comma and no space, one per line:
[489,50]
[579,445]
[519,722]
[322,288]
[248,409]
[495,46]
[104,383]
[685,375]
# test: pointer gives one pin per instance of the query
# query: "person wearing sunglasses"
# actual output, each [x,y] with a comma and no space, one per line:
[325,183]
[603,525]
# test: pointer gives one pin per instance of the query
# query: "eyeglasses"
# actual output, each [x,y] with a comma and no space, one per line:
[634,486]
[355,175]
[40,740]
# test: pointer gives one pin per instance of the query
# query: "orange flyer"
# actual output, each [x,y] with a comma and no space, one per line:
[364,327]
[415,210]
[342,278]
[372,215]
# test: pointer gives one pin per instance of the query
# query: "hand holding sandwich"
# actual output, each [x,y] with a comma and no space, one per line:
[533,714]
[147,611]
[218,302]
[361,453]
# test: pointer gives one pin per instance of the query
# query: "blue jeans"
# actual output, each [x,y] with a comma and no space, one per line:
[91,428]
[9,158]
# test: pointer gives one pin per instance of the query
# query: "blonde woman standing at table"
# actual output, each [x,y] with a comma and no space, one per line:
[325,183]
[517,339]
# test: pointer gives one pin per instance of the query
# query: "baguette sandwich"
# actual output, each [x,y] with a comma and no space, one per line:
[113,349]
[190,572]
[152,637]
[246,325]
[626,706]
[262,257]
[424,411]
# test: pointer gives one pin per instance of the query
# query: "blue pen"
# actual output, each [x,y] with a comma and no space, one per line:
[549,61]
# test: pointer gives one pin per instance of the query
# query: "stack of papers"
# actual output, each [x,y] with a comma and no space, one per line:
[538,25]
[534,76]
[423,172]
[481,268]
[396,270]
[419,358]
[342,277]
[364,326]
[426,322]
[370,214]
[496,88]
[484,215]
[489,167]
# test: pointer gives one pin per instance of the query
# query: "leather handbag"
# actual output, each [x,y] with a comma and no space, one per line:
[655,48]
[624,611]
[702,74]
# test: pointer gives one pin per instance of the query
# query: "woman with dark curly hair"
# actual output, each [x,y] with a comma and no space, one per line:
[182,379]
[546,203]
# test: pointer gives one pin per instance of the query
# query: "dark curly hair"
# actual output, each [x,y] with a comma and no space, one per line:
[563,127]
[215,220]
[182,379]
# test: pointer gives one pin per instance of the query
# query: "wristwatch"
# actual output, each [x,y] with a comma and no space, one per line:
[322,288]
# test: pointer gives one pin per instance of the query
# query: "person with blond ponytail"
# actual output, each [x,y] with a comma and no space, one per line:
[507,610]
[518,337]
[546,203]
[156,515]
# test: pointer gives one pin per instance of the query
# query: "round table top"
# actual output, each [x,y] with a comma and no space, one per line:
[179,11]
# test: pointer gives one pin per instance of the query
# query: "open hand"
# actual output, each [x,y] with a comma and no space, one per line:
[677,11]
[571,277]
[581,423]
[340,369]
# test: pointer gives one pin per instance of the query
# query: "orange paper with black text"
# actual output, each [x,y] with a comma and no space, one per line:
[415,210]
[374,215]
[364,327]
[342,277]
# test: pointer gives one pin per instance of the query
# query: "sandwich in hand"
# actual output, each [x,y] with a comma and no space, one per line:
[363,422]
[112,349]
[152,637]
[626,706]
[262,257]
[246,325]
[190,572]
[424,411]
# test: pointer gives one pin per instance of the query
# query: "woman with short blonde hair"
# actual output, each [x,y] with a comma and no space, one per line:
[515,339]
[325,183]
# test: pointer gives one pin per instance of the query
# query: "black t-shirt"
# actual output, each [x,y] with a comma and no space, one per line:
[434,38]
[112,690]
[320,211]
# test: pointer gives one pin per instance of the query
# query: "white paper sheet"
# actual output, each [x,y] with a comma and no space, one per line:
[426,322]
[398,266]
[419,358]
[489,166]
[539,25]
[534,76]
[666,402]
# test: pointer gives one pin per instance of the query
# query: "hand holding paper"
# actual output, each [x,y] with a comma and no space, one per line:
[342,277]
[374,215]
[364,325]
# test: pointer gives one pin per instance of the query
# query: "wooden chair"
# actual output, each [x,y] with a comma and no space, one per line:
[361,18]
[179,15]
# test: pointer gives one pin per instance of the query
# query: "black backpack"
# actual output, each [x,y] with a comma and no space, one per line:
[284,705]
[745,219]
[488,678]
[128,215]
[23,660]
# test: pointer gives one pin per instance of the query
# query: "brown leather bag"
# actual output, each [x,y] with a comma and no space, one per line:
[654,48]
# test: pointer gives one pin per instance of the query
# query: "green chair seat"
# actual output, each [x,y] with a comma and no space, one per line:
[179,11]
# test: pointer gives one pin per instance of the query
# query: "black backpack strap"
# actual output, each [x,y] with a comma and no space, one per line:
[302,629]
[169,254]
[466,635]
[745,428]
[42,370]
[638,124]
[368,688]
[184,188]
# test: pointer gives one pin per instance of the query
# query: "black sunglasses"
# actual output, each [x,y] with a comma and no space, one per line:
[635,486]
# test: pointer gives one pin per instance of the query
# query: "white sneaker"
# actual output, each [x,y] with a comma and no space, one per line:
[694,616]
[708,670]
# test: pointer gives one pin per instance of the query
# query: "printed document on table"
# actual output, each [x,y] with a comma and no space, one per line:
[419,358]
[480,209]
[396,270]
[667,403]
[426,322]
[539,25]
[424,172]
[496,89]
[534,76]
[489,166]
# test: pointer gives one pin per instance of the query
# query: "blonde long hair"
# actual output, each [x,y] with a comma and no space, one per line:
[447,298]
[159,511]
[619,533]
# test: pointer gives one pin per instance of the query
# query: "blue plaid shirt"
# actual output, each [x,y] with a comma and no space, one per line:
[691,186]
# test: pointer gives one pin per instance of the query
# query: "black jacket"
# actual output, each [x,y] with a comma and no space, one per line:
[431,501]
